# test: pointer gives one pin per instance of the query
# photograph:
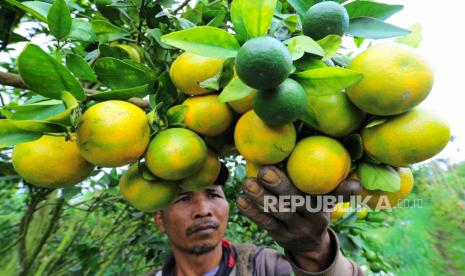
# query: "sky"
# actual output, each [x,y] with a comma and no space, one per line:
[442,46]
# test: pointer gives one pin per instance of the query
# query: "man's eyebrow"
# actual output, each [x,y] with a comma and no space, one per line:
[184,193]
[212,189]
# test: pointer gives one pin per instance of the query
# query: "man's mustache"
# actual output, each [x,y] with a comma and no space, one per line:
[201,226]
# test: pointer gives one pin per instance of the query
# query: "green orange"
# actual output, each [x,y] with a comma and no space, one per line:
[318,165]
[324,19]
[407,139]
[395,79]
[188,70]
[50,162]
[206,115]
[176,153]
[334,114]
[261,143]
[113,133]
[206,176]
[146,195]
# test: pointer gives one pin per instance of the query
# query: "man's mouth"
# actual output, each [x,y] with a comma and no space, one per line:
[202,228]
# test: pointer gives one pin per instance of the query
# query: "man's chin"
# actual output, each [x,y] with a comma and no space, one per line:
[201,249]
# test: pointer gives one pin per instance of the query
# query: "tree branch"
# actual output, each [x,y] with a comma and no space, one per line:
[51,225]
[181,6]
[14,80]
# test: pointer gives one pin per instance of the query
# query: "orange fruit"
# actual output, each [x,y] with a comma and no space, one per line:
[407,139]
[252,169]
[340,209]
[260,143]
[113,133]
[50,162]
[146,195]
[207,116]
[206,176]
[335,115]
[176,153]
[395,79]
[188,70]
[318,164]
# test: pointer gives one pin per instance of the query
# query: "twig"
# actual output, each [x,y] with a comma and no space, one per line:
[181,6]
[141,22]
[55,217]
[1,99]
[14,80]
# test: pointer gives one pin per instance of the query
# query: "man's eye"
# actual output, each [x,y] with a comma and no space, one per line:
[184,198]
[215,195]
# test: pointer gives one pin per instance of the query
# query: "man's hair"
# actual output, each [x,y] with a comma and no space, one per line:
[223,176]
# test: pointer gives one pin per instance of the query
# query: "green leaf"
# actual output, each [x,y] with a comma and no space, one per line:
[257,16]
[372,9]
[376,122]
[212,83]
[302,6]
[373,28]
[378,177]
[235,90]
[112,51]
[300,45]
[354,145]
[52,79]
[176,114]
[106,31]
[37,9]
[308,62]
[13,132]
[36,111]
[156,34]
[81,30]
[80,68]
[291,21]
[330,44]
[118,74]
[414,38]
[238,20]
[310,117]
[204,41]
[326,81]
[122,94]
[59,19]
[68,116]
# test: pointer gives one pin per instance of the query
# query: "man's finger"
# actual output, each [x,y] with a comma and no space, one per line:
[276,181]
[254,213]
[265,200]
[346,189]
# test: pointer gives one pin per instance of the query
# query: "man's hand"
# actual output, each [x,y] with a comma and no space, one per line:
[302,233]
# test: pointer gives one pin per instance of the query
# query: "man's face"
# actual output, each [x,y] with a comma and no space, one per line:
[196,221]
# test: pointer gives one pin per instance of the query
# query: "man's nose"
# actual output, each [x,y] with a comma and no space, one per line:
[201,208]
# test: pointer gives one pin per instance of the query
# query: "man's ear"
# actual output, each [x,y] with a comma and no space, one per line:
[158,218]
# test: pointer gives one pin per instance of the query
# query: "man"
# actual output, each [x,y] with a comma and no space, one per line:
[195,223]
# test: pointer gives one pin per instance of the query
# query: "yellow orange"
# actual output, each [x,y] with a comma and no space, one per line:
[50,162]
[318,164]
[113,133]
[188,70]
[206,176]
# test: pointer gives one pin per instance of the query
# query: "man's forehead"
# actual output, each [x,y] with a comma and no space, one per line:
[212,187]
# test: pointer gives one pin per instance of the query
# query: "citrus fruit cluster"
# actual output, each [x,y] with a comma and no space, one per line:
[265,126]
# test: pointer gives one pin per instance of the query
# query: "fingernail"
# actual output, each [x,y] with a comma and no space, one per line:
[270,177]
[242,202]
[252,187]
